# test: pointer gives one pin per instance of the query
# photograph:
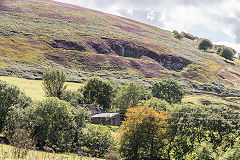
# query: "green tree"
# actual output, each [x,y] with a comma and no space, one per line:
[53,82]
[205,44]
[98,91]
[168,90]
[73,97]
[192,125]
[53,120]
[129,96]
[10,95]
[177,35]
[98,140]
[227,53]
[142,134]
[156,103]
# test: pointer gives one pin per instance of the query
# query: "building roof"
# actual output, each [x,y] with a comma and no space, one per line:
[106,115]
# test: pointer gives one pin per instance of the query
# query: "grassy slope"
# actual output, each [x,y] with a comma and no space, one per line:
[28,26]
[32,24]
[7,152]
[33,88]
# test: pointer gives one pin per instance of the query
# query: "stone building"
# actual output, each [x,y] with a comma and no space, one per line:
[113,119]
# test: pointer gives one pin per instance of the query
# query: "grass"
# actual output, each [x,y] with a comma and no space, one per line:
[204,99]
[7,152]
[33,88]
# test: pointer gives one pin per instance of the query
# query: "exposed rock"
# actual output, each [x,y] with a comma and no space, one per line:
[130,49]
[66,45]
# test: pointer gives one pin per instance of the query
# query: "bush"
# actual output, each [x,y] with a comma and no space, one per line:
[98,91]
[156,103]
[98,140]
[205,44]
[227,53]
[189,36]
[53,82]
[192,125]
[129,96]
[177,35]
[18,132]
[73,97]
[53,121]
[10,95]
[168,90]
[142,134]
[203,151]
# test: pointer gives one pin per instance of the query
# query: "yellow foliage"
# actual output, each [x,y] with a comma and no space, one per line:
[144,114]
[143,133]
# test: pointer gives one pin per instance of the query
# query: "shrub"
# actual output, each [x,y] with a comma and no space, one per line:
[177,35]
[98,91]
[129,96]
[227,53]
[18,132]
[205,44]
[53,82]
[192,125]
[98,140]
[53,121]
[189,36]
[203,151]
[219,49]
[142,135]
[156,103]
[10,95]
[168,90]
[73,97]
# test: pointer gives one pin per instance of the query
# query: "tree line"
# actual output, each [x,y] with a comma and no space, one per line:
[157,124]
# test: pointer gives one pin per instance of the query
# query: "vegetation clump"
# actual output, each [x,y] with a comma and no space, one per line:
[227,53]
[177,35]
[142,134]
[205,44]
[189,36]
[53,122]
[129,96]
[53,82]
[9,96]
[168,90]
[98,140]
[98,91]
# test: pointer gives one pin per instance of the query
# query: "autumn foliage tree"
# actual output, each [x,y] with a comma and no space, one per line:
[142,134]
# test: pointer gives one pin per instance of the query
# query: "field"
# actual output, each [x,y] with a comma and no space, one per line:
[33,88]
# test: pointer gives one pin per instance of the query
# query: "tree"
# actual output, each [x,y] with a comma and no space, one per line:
[99,140]
[52,121]
[192,125]
[177,35]
[168,90]
[10,95]
[189,36]
[53,82]
[142,134]
[98,91]
[156,103]
[129,96]
[227,53]
[205,44]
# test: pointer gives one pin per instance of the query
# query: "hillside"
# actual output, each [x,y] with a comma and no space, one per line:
[35,34]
